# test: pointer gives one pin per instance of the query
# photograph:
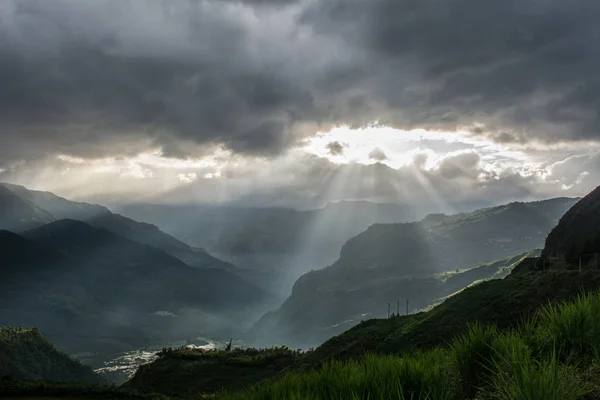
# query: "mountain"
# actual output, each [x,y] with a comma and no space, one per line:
[92,290]
[26,354]
[53,208]
[278,244]
[388,262]
[17,213]
[577,233]
[152,236]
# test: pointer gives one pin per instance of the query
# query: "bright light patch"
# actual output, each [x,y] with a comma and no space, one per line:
[397,148]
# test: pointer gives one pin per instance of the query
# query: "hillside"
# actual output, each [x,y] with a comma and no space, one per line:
[26,354]
[578,231]
[388,262]
[504,303]
[114,294]
[186,373]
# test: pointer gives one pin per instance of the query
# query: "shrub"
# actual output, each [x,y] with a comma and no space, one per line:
[573,327]
[520,377]
[472,356]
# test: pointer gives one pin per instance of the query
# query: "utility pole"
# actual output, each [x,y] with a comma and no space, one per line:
[398,308]
[406,306]
[388,310]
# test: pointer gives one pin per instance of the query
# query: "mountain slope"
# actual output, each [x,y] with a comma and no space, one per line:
[398,261]
[578,231]
[152,236]
[19,214]
[504,303]
[26,354]
[114,293]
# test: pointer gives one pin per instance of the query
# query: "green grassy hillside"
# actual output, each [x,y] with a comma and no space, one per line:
[26,354]
[554,355]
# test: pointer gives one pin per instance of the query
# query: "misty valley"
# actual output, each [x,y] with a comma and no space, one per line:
[113,288]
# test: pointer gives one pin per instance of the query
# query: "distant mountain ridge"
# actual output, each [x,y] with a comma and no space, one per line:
[400,259]
[278,243]
[43,207]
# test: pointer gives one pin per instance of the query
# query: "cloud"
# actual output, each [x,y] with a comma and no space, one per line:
[188,178]
[100,78]
[228,92]
[518,67]
[335,148]
[377,154]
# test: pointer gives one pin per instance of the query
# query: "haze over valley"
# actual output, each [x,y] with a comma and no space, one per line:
[191,190]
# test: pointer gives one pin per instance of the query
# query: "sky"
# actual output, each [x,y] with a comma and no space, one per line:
[297,103]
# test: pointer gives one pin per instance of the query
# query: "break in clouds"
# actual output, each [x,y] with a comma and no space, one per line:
[235,101]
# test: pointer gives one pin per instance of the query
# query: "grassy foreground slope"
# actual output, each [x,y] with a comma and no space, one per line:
[552,356]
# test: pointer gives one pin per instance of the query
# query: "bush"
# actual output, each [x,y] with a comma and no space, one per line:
[572,327]
[520,377]
[472,355]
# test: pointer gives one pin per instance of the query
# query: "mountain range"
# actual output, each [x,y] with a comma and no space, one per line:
[391,262]
[106,283]
[278,244]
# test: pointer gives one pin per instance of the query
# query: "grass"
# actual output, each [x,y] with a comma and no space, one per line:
[543,358]
[418,376]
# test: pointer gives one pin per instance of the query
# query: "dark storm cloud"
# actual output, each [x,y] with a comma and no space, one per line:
[72,79]
[93,78]
[526,65]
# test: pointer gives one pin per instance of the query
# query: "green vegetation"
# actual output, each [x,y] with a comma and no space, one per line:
[503,302]
[193,372]
[26,354]
[548,357]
